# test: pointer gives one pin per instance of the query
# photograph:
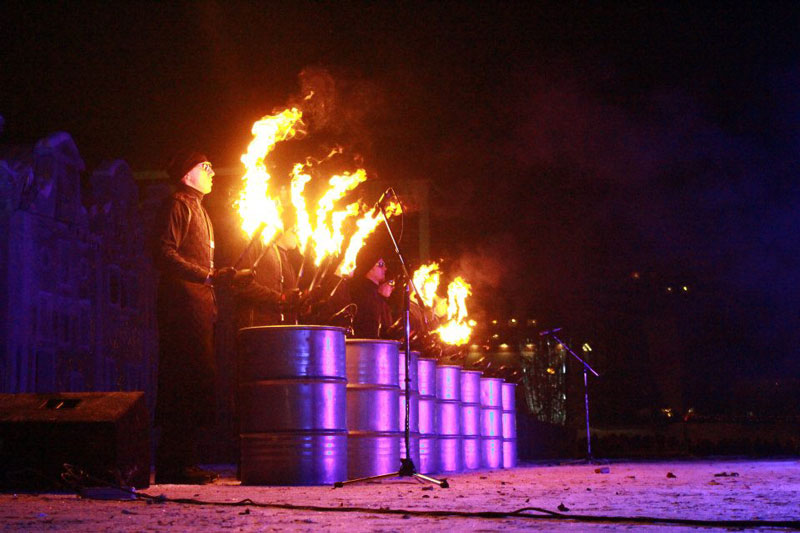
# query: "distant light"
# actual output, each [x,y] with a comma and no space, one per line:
[504,345]
[529,345]
[635,275]
[531,322]
[685,288]
[472,323]
[669,289]
[586,347]
[551,370]
[494,322]
[496,336]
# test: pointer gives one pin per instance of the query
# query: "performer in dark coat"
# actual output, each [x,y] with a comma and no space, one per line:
[272,296]
[186,313]
[373,311]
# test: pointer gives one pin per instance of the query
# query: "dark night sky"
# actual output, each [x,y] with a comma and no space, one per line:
[569,147]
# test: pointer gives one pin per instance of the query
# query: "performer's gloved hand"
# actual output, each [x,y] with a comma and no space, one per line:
[290,299]
[311,301]
[243,277]
[222,277]
[312,296]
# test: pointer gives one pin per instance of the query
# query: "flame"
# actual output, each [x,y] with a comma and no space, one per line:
[302,221]
[364,228]
[327,235]
[255,205]
[456,330]
[426,280]
[324,231]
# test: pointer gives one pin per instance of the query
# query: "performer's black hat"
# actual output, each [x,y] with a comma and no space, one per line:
[376,247]
[182,162]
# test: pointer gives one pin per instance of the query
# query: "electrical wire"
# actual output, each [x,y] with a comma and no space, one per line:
[546,514]
[77,478]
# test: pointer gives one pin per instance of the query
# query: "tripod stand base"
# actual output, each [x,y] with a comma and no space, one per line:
[407,469]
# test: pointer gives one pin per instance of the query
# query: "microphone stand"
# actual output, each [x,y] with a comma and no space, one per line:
[407,467]
[586,368]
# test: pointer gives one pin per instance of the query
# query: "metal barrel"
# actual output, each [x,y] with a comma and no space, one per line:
[471,386]
[428,454]
[426,376]
[509,425]
[491,423]
[471,418]
[413,412]
[472,452]
[426,406]
[413,371]
[448,382]
[292,405]
[428,439]
[448,418]
[413,405]
[373,398]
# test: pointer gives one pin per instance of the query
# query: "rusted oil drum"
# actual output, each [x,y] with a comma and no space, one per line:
[373,398]
[413,405]
[509,425]
[292,404]
[428,439]
[471,418]
[491,423]
[448,418]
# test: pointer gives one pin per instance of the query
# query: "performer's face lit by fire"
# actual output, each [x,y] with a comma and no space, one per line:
[377,274]
[200,177]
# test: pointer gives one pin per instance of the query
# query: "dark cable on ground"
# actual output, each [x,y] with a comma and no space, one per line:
[75,477]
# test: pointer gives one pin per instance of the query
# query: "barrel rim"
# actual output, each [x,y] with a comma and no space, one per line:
[372,341]
[294,433]
[290,327]
[367,433]
[449,366]
[295,379]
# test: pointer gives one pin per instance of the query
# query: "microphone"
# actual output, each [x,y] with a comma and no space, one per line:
[388,193]
[548,332]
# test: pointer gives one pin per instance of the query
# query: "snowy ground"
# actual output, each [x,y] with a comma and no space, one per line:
[723,489]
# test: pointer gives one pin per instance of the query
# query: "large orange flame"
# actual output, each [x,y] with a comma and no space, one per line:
[364,228]
[255,204]
[325,233]
[302,221]
[426,280]
[456,330]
